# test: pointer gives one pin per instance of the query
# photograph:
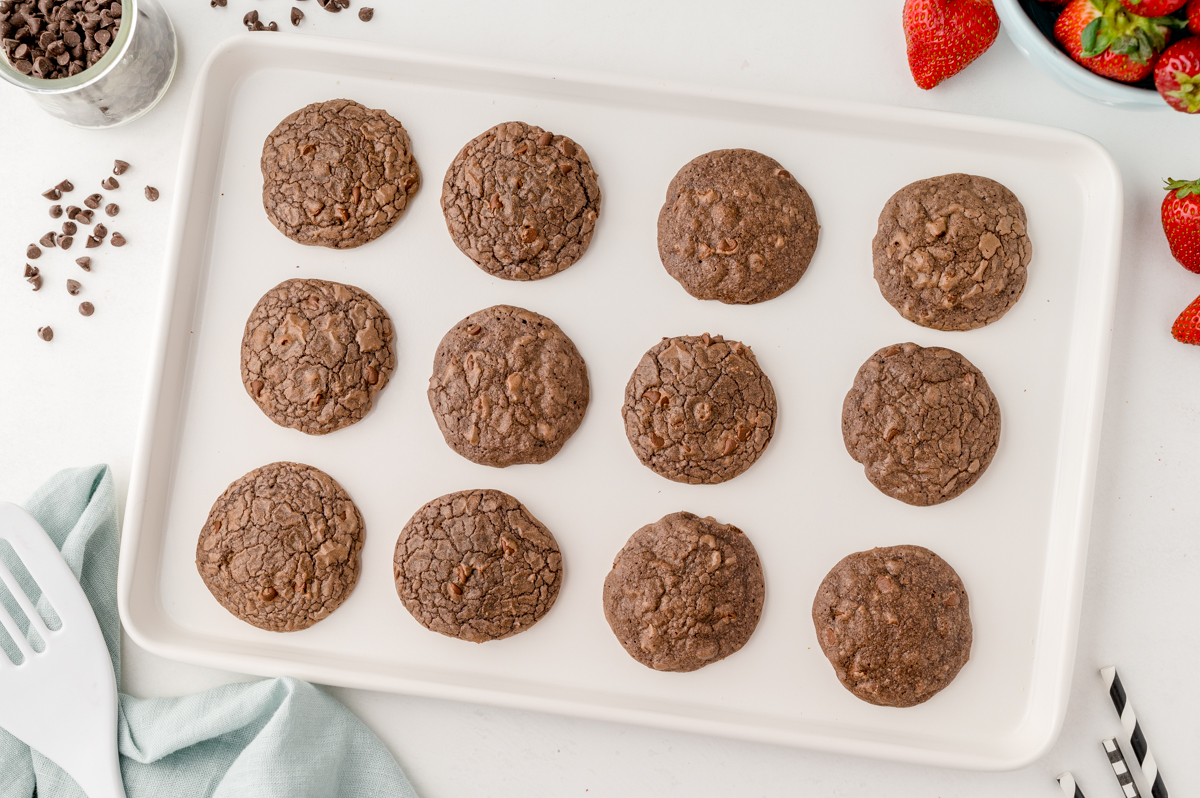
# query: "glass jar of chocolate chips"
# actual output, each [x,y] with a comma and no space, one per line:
[92,63]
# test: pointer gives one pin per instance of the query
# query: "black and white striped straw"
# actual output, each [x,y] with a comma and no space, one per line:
[1117,760]
[1069,787]
[1133,732]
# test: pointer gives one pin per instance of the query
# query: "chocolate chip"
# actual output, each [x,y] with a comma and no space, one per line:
[112,209]
[119,166]
[65,186]
[297,15]
[73,287]
[151,193]
[85,263]
[52,194]
[55,211]
[217,3]
[94,200]
[545,139]
[273,25]
[73,211]
[66,241]
[365,14]
[109,183]
[45,333]
[84,216]
[35,281]
[31,271]
[334,6]
[32,252]
[70,228]
[48,240]
[92,242]
[100,231]
[117,240]
[87,308]
[249,20]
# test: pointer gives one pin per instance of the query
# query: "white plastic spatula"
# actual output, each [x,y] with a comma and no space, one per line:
[61,701]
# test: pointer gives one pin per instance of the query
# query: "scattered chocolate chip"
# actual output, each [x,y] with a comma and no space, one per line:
[365,14]
[85,263]
[84,216]
[52,194]
[109,183]
[334,6]
[65,186]
[32,252]
[213,4]
[112,209]
[35,281]
[45,333]
[297,15]
[249,20]
[87,308]
[73,287]
[94,200]
[151,193]
[100,231]
[66,241]
[55,211]
[70,228]
[73,211]
[117,240]
[92,242]
[48,240]
[273,25]
[119,166]
[31,271]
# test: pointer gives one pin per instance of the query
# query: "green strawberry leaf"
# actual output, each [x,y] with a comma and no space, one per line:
[1183,188]
[1091,47]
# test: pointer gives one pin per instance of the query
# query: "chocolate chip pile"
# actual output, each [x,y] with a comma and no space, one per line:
[57,38]
[76,217]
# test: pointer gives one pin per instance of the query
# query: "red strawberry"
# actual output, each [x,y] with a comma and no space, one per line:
[1153,8]
[1186,328]
[1177,75]
[1193,15]
[1110,41]
[945,35]
[1181,221]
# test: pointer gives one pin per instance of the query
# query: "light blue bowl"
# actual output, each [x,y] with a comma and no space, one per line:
[1044,55]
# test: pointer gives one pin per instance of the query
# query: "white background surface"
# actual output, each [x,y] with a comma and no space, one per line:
[76,401]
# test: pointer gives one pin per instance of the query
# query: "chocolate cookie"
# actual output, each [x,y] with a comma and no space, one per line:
[951,251]
[508,387]
[477,565]
[337,174]
[698,409]
[736,227]
[684,592]
[521,202]
[315,353]
[280,547]
[923,422]
[895,623]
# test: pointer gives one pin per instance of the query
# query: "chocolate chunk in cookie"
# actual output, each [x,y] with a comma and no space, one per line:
[684,592]
[736,227]
[477,565]
[951,252]
[698,409]
[895,623]
[508,387]
[280,548]
[315,353]
[923,423]
[521,202]
[337,174]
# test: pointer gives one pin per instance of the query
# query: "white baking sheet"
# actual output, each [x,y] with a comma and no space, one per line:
[1017,538]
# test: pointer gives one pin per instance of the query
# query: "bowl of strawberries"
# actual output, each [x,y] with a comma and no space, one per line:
[1124,53]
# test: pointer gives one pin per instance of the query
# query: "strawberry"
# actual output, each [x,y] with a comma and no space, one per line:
[1110,41]
[1193,16]
[1177,75]
[945,35]
[1186,328]
[1181,221]
[1153,8]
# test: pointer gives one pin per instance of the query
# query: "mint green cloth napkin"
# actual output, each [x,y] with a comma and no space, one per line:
[279,738]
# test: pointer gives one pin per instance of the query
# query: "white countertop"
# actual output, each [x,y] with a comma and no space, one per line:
[76,401]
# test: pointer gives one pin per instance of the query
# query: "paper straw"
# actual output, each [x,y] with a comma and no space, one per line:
[1069,787]
[1133,732]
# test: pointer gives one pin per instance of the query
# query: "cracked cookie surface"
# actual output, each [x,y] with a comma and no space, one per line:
[736,227]
[698,409]
[895,624]
[477,565]
[280,548]
[315,353]
[684,592]
[951,252]
[337,174]
[508,387]
[521,202]
[922,421]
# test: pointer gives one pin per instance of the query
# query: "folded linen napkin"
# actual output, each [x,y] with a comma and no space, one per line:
[269,739]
